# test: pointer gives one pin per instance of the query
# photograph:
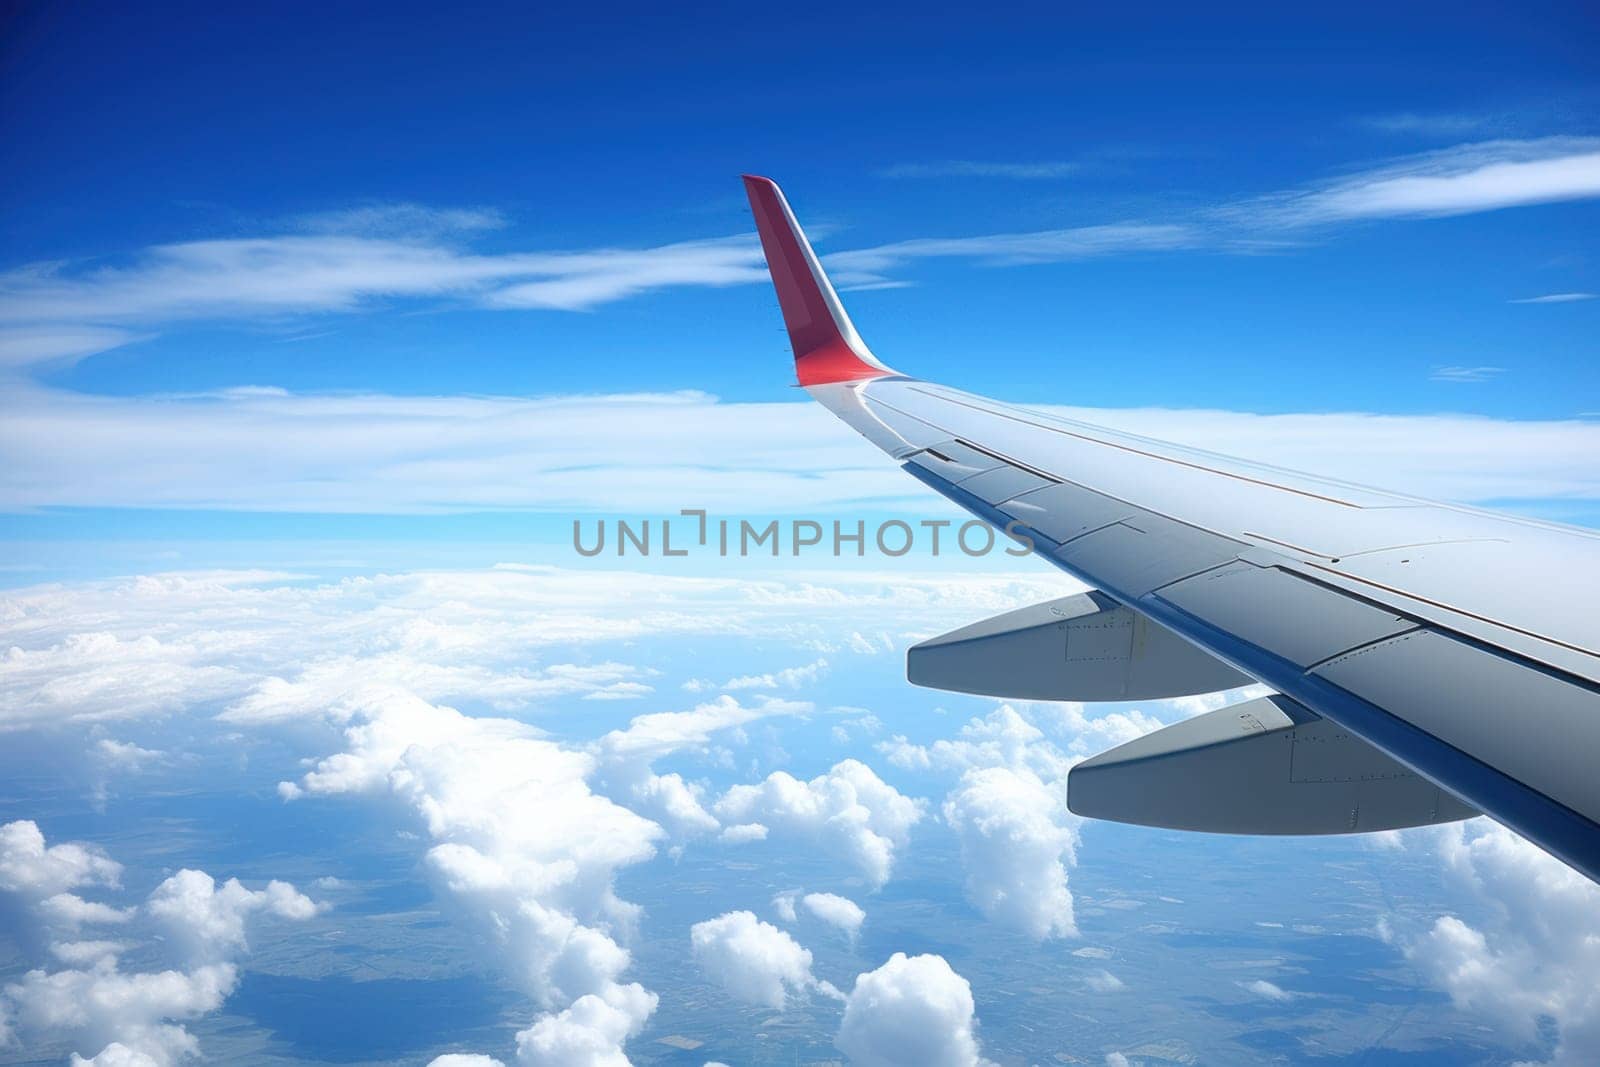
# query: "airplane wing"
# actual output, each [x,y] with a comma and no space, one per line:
[1430,661]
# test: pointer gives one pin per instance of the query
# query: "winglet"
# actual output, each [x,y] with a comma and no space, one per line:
[826,346]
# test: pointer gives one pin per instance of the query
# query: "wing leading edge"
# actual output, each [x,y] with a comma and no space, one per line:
[1455,644]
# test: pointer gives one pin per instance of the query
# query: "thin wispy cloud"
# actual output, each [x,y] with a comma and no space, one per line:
[868,266]
[1455,181]
[303,274]
[1556,298]
[1465,374]
[402,220]
[972,168]
[1430,124]
[374,256]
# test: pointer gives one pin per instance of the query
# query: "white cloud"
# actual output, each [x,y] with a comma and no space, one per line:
[1465,374]
[1469,178]
[835,911]
[464,1059]
[867,266]
[849,811]
[273,648]
[125,755]
[123,1015]
[1534,956]
[381,254]
[311,273]
[131,1018]
[541,889]
[89,953]
[1266,990]
[91,676]
[743,834]
[35,871]
[1016,840]
[381,454]
[1009,811]
[783,903]
[626,757]
[1105,982]
[209,919]
[788,678]
[403,220]
[69,911]
[590,1032]
[1557,298]
[753,960]
[44,346]
[911,1010]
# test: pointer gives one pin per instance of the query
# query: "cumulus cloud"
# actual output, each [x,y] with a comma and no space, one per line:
[849,811]
[753,960]
[590,1032]
[130,1018]
[1534,957]
[125,755]
[1008,811]
[541,889]
[35,870]
[627,755]
[209,919]
[783,903]
[836,911]
[911,1010]
[788,678]
[743,833]
[1016,841]
[126,1016]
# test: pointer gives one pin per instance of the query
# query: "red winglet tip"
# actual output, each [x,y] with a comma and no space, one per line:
[826,347]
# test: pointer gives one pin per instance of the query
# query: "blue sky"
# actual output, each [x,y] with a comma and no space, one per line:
[319,328]
[1250,213]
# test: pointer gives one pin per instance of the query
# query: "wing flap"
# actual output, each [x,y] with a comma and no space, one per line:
[1267,766]
[1084,647]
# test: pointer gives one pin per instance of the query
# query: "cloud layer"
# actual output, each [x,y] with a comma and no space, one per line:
[422,455]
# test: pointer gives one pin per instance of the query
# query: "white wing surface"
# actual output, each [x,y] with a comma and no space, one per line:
[1432,660]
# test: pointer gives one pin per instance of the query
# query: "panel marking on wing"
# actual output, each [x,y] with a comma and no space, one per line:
[1003,483]
[1477,701]
[1145,552]
[1291,617]
[954,461]
[1459,611]
[1065,510]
